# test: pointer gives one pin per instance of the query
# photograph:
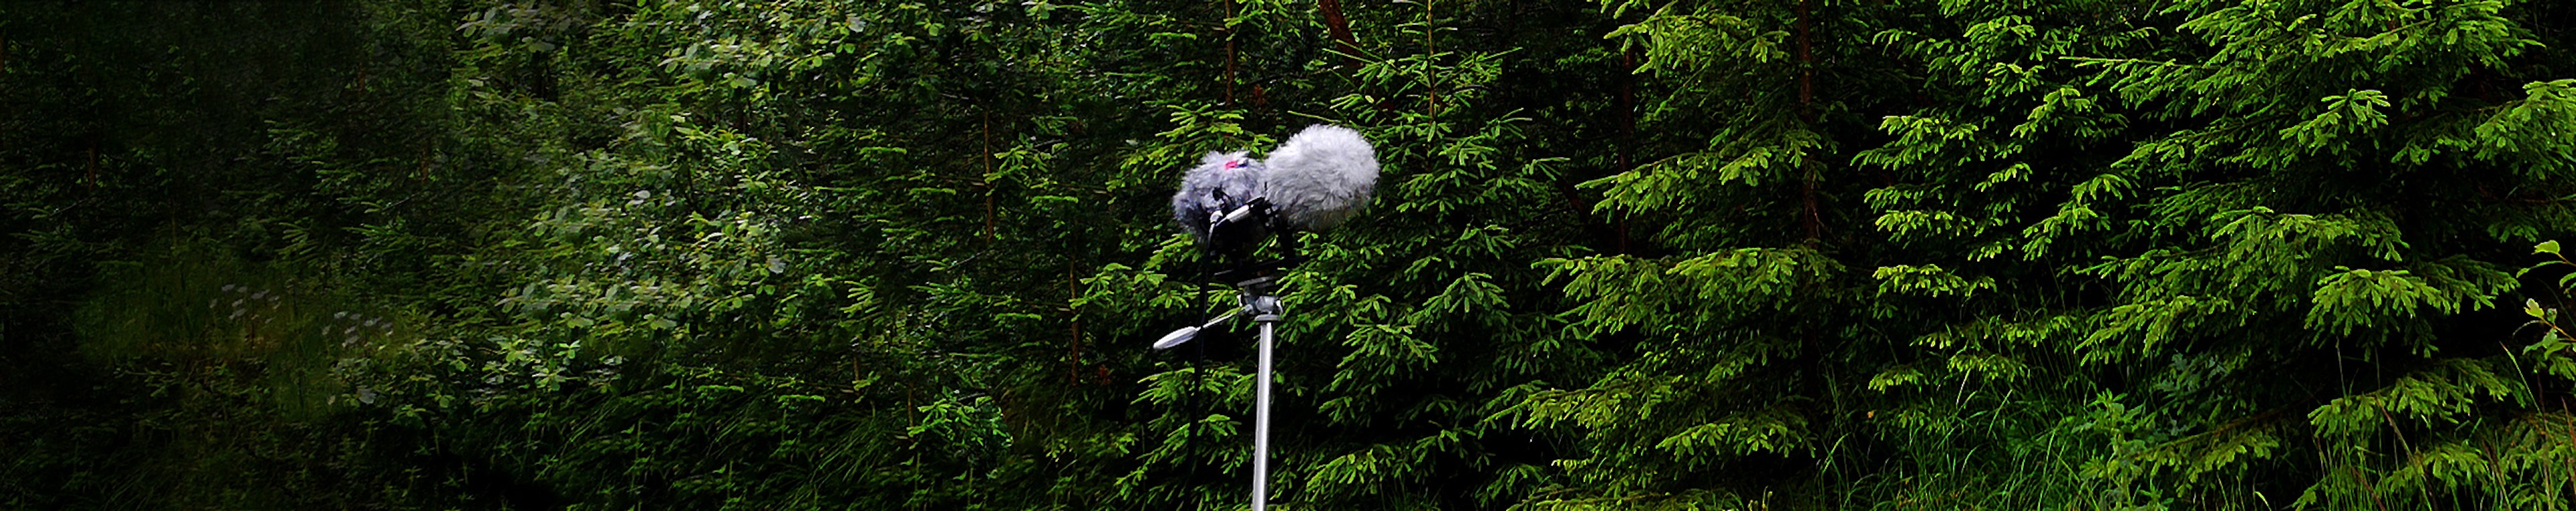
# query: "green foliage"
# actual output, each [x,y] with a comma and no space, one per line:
[1632,254]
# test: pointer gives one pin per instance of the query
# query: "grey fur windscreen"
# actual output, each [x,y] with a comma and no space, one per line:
[1315,181]
[1320,178]
[1222,182]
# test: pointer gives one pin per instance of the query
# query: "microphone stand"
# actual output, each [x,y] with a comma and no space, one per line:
[1257,285]
[1258,296]
[1324,174]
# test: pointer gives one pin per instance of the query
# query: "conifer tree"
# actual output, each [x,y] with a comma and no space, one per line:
[1633,254]
[2138,249]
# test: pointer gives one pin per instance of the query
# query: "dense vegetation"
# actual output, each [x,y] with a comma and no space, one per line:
[1635,254]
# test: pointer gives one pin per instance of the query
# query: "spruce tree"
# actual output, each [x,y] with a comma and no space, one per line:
[2117,256]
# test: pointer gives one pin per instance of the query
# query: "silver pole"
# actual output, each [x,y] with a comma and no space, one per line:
[1261,419]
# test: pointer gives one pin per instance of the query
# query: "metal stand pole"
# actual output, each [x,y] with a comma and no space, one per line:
[1261,418]
[1265,311]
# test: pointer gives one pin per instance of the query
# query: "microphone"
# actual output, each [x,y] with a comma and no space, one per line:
[1217,198]
[1320,178]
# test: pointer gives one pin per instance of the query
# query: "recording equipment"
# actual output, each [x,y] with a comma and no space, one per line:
[1320,178]
[1315,181]
[1225,185]
[1231,203]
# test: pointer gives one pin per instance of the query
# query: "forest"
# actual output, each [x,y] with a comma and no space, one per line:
[1623,255]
